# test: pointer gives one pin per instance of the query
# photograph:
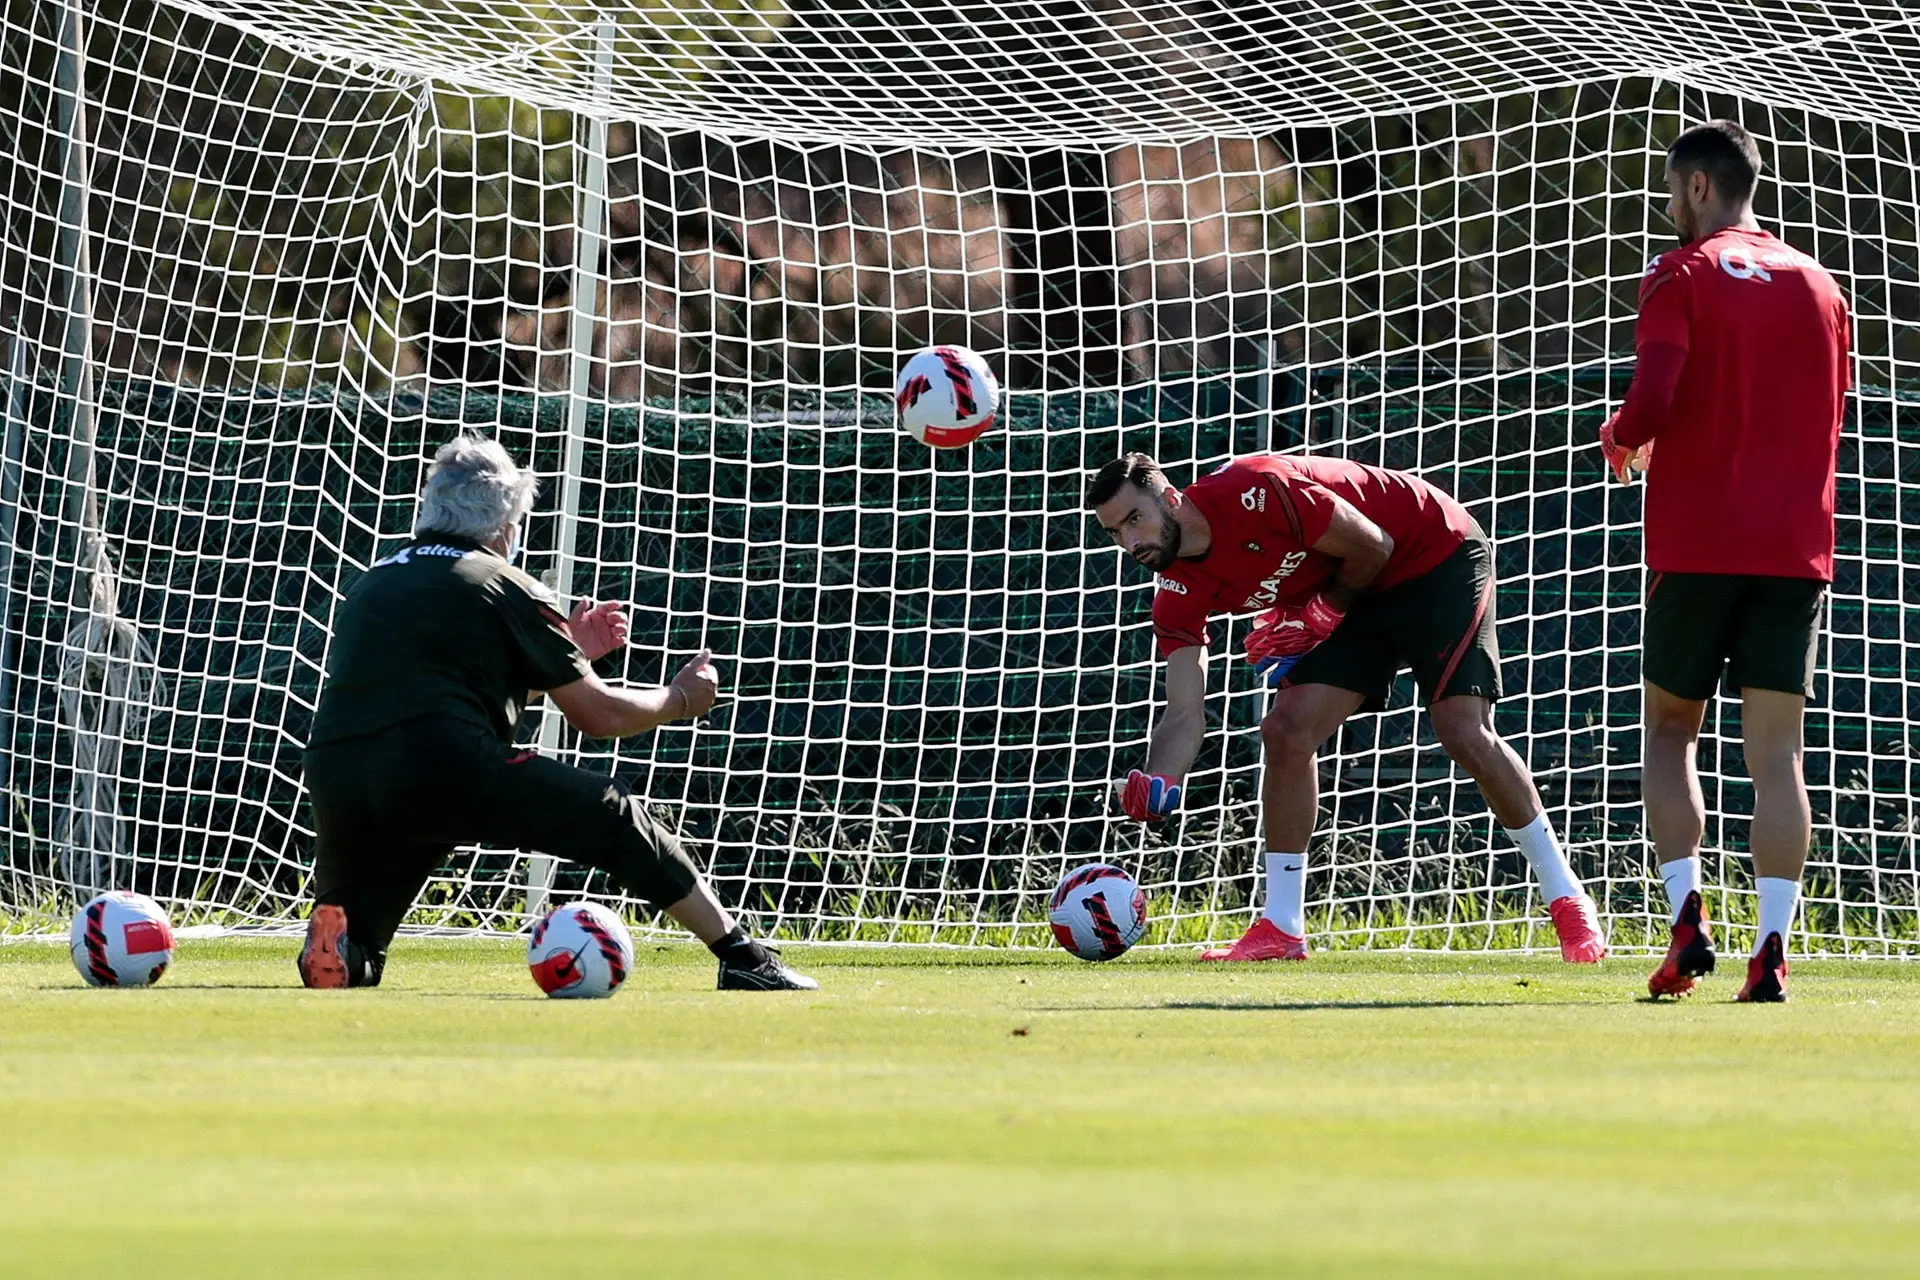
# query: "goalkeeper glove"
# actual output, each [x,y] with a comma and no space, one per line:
[1623,461]
[1285,636]
[1149,797]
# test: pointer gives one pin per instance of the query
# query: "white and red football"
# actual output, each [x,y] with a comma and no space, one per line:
[1098,911]
[121,940]
[947,397]
[580,951]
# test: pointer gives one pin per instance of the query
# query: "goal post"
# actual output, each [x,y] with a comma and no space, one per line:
[591,229]
[671,255]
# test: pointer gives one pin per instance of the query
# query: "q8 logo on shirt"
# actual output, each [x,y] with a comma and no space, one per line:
[1744,265]
[1741,265]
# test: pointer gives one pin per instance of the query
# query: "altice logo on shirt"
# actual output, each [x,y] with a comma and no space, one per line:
[405,554]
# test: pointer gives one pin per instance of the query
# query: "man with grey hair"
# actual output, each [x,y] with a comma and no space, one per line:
[436,651]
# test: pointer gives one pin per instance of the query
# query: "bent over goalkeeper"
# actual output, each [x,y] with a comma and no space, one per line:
[435,652]
[1360,572]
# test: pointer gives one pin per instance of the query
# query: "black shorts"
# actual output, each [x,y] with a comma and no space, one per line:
[1762,632]
[390,807]
[1440,624]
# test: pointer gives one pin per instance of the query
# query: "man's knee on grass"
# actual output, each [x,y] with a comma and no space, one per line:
[331,957]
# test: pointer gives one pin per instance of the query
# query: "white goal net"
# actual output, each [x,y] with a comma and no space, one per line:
[260,259]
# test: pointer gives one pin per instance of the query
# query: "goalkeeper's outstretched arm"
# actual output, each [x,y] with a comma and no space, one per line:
[1183,725]
[1153,793]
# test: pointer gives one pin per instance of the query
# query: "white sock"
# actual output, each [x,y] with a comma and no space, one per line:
[1777,897]
[1549,864]
[1287,892]
[1682,877]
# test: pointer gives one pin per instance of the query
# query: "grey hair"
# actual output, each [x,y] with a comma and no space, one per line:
[474,490]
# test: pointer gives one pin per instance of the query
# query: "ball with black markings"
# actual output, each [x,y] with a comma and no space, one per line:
[121,940]
[947,397]
[581,951]
[1098,911]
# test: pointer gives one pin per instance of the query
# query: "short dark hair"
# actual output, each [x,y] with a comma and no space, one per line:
[1136,469]
[1723,151]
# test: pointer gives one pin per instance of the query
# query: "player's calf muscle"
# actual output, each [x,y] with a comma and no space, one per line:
[1290,802]
[1506,784]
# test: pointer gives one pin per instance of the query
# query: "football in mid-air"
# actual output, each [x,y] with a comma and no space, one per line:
[1098,911]
[580,951]
[121,940]
[947,397]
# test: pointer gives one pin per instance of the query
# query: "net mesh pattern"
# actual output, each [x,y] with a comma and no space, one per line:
[269,256]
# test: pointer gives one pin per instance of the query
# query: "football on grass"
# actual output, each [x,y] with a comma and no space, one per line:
[580,951]
[1098,911]
[121,940]
[947,397]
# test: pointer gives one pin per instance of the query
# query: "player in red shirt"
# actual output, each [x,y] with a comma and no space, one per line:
[1360,572]
[1741,377]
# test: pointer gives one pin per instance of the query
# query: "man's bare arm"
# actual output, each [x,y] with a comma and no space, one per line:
[1362,548]
[1183,725]
[601,710]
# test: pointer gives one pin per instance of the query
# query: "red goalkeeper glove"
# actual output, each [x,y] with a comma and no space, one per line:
[1285,636]
[1149,797]
[1623,461]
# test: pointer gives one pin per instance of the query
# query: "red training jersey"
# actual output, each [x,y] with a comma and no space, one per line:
[1742,477]
[1267,511]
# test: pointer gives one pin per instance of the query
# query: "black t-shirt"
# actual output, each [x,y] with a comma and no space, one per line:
[442,627]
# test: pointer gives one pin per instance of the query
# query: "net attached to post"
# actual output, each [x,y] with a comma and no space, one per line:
[672,254]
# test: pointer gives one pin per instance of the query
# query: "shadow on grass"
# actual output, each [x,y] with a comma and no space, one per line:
[1305,1006]
[389,992]
[164,987]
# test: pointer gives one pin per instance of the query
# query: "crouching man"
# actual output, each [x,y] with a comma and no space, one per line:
[436,651]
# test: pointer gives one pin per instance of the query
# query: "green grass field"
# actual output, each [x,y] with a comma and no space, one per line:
[954,1115]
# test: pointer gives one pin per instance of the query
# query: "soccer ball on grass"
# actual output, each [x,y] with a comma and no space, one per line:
[121,940]
[580,951]
[1098,911]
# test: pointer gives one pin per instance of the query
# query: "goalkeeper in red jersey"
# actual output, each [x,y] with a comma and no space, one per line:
[1741,380]
[1359,572]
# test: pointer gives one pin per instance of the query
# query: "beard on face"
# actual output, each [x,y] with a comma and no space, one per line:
[1679,211]
[1158,555]
[1686,227]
